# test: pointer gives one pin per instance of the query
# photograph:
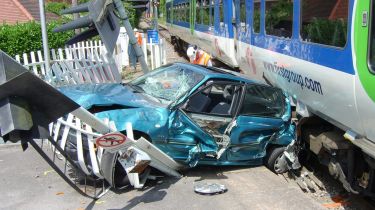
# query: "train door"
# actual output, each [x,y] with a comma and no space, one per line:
[364,43]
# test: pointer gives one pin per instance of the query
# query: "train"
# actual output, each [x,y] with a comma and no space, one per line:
[322,52]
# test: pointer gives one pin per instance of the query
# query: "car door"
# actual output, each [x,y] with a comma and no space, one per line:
[263,118]
[199,126]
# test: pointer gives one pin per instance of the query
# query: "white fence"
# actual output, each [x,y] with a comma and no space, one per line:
[34,61]
[155,54]
[86,61]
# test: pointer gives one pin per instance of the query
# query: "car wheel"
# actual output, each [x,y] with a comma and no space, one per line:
[274,161]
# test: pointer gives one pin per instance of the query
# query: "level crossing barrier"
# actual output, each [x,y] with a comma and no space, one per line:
[71,149]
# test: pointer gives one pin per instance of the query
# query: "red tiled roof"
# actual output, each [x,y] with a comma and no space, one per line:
[13,11]
[32,6]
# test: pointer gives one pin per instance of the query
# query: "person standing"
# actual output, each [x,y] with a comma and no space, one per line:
[198,56]
[131,52]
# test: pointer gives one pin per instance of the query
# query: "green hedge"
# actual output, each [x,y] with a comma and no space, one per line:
[27,37]
[56,7]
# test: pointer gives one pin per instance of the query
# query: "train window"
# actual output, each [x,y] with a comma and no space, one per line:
[221,13]
[187,12]
[201,10]
[206,13]
[180,9]
[243,14]
[168,14]
[212,6]
[178,14]
[183,12]
[175,15]
[198,13]
[279,18]
[256,16]
[174,12]
[325,21]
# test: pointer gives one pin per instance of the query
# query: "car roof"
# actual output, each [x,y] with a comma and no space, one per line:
[219,73]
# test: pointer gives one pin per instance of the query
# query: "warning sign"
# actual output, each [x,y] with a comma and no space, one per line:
[112,141]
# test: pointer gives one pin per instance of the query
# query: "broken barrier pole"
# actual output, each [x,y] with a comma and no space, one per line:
[103,19]
[100,20]
[132,39]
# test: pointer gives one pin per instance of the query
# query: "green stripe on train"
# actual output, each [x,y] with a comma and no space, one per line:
[361,37]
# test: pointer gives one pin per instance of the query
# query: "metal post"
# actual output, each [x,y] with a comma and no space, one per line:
[44,36]
[144,48]
[152,54]
[155,15]
[132,40]
[76,16]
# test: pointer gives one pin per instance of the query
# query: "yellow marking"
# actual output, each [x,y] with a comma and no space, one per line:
[47,172]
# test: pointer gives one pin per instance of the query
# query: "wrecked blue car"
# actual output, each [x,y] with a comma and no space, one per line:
[199,115]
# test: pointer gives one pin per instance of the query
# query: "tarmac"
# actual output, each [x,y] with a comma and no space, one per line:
[28,182]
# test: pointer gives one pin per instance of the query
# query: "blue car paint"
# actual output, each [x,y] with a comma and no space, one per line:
[172,131]
[106,94]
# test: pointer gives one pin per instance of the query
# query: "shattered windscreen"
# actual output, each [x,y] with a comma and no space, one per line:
[168,83]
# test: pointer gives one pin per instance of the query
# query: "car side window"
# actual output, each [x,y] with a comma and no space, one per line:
[263,101]
[216,99]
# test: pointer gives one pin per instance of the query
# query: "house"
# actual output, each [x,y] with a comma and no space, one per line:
[13,11]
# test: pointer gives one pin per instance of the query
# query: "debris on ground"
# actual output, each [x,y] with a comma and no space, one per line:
[204,188]
[326,190]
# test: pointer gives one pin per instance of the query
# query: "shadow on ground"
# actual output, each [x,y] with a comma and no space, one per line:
[156,190]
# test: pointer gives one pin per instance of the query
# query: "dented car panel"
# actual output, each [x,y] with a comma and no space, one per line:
[194,114]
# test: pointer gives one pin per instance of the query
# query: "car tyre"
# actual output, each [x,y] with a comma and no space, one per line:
[273,160]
